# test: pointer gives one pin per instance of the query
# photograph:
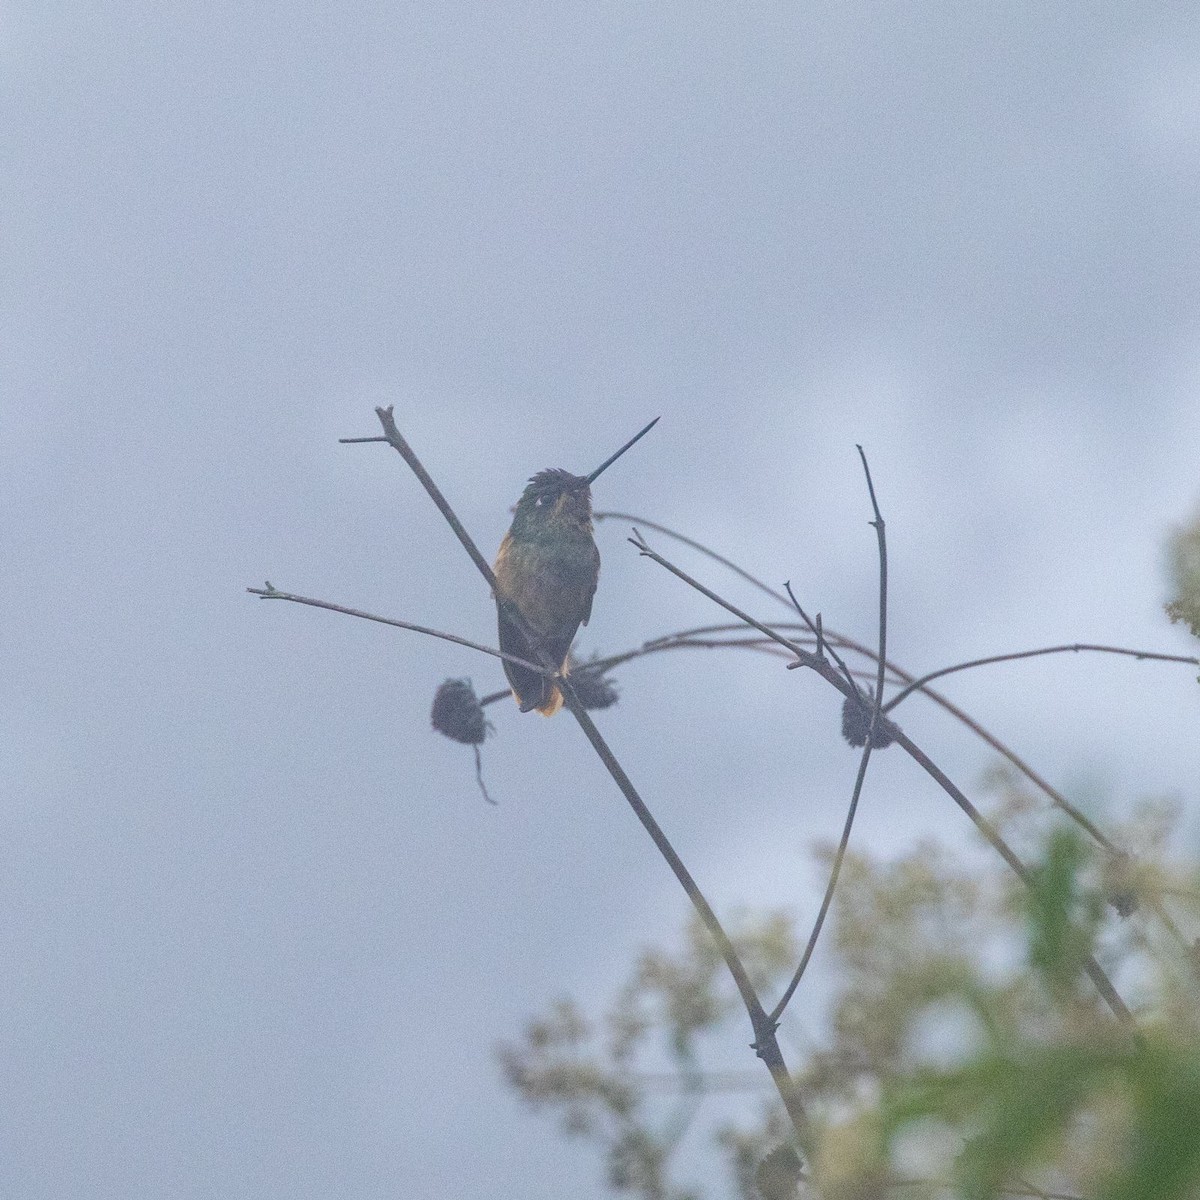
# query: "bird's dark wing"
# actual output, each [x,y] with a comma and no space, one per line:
[531,689]
[587,610]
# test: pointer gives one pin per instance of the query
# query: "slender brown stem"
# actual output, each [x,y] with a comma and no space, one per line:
[640,543]
[270,593]
[740,976]
[1074,648]
[684,640]
[687,541]
[766,1043]
[881,538]
[822,642]
[868,744]
[1055,797]
[1093,969]
[830,887]
[396,439]
[827,671]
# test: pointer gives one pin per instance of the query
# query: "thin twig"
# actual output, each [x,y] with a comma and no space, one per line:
[1093,969]
[396,439]
[1074,648]
[1055,796]
[271,593]
[822,642]
[687,541]
[830,887]
[864,760]
[479,775]
[640,543]
[827,672]
[766,1043]
[881,537]
[1052,793]
[1031,1190]
[684,640]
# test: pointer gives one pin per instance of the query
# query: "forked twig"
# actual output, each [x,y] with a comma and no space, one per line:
[827,672]
[1048,789]
[644,549]
[822,643]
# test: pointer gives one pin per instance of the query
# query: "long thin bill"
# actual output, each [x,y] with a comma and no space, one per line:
[608,462]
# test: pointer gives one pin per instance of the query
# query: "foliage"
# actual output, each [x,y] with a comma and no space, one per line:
[965,1053]
[1183,555]
[600,1076]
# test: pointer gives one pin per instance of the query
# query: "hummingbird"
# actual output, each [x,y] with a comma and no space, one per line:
[547,569]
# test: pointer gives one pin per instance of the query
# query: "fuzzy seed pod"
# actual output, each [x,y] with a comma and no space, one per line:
[594,688]
[856,721]
[458,714]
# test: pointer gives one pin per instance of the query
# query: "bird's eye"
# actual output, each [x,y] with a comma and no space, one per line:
[540,501]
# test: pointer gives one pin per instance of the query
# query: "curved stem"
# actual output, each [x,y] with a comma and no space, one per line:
[765,1043]
[831,676]
[271,593]
[849,643]
[1075,648]
[830,887]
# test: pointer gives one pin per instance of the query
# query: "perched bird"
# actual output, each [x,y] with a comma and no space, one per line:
[547,569]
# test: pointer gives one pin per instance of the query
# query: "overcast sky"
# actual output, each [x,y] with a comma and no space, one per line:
[261,932]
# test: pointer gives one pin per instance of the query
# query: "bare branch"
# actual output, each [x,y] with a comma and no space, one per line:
[683,640]
[1094,971]
[827,672]
[766,1043]
[687,541]
[830,887]
[821,641]
[848,643]
[395,439]
[881,537]
[1074,648]
[868,745]
[271,593]
[640,543]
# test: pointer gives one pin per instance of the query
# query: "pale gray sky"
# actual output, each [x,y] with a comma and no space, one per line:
[261,931]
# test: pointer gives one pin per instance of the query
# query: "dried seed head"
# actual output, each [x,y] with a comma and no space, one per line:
[593,687]
[856,722]
[458,714]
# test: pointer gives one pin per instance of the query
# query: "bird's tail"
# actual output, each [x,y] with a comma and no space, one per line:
[531,689]
[539,693]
